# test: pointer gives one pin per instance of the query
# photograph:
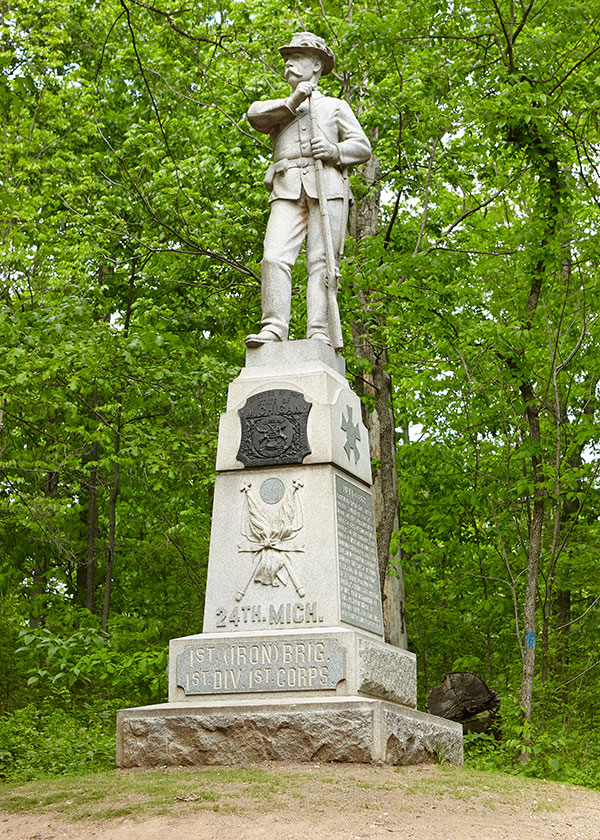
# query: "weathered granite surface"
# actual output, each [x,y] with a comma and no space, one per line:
[290,356]
[308,663]
[350,730]
[413,737]
[387,672]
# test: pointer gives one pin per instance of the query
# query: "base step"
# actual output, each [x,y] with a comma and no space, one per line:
[347,729]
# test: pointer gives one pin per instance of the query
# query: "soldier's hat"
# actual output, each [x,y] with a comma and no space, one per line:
[308,43]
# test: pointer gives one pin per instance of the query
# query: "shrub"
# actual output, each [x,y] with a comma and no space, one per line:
[544,750]
[38,742]
[84,666]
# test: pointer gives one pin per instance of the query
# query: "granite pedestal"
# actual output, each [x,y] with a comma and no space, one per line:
[291,663]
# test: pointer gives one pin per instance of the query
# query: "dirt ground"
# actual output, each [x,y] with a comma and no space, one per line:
[351,802]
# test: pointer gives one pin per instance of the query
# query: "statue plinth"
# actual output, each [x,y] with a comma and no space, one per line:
[291,663]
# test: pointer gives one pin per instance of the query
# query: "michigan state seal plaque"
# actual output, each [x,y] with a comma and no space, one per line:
[274,428]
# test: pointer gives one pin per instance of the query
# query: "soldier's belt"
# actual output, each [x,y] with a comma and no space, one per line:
[282,166]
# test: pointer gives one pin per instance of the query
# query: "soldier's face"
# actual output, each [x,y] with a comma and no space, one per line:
[300,67]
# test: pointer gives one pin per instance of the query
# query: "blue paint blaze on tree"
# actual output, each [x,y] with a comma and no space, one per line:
[530,639]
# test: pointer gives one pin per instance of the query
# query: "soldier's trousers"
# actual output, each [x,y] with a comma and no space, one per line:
[289,225]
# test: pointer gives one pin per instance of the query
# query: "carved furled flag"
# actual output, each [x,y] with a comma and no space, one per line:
[274,428]
[270,530]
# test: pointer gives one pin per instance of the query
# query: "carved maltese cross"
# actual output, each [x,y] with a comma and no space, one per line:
[352,434]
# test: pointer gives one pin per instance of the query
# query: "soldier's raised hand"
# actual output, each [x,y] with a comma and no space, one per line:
[302,92]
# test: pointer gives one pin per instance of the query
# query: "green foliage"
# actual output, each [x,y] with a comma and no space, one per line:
[83,665]
[75,683]
[35,742]
[554,751]
[131,217]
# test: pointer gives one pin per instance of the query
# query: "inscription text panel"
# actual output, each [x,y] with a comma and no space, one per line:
[360,598]
[232,667]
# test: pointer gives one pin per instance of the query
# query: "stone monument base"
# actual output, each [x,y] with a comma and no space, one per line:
[291,664]
[349,729]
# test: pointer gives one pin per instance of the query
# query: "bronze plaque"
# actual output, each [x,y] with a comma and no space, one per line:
[274,428]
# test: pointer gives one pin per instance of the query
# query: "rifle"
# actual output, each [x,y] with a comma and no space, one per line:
[332,277]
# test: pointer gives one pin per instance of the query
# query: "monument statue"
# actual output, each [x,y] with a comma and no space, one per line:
[292,662]
[315,138]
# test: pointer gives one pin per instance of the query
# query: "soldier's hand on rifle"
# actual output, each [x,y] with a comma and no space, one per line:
[323,150]
[302,92]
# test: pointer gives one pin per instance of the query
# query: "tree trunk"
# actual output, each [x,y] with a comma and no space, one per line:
[114,491]
[534,553]
[40,568]
[550,190]
[381,427]
[85,572]
[91,529]
[112,530]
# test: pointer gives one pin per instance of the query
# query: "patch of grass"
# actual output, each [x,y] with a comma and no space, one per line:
[117,793]
[114,813]
[238,774]
[138,794]
[546,803]
[464,783]
[261,791]
[376,786]
[16,803]
[252,783]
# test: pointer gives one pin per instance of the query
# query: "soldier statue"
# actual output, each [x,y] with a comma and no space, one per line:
[315,138]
